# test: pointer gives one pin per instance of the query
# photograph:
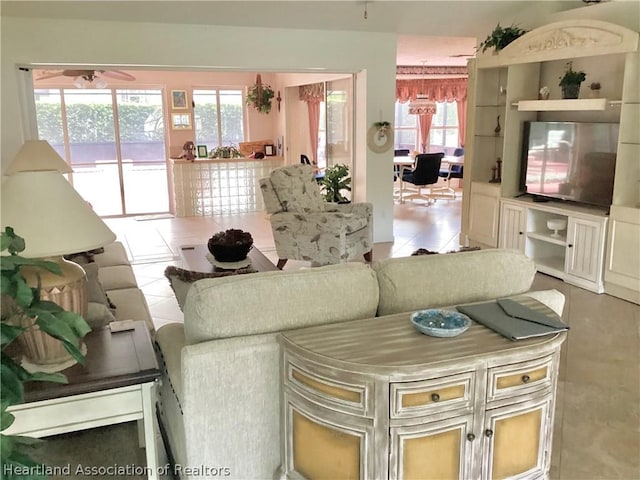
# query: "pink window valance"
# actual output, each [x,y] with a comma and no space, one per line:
[438,89]
[311,93]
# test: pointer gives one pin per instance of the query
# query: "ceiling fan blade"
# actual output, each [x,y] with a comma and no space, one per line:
[117,74]
[49,74]
[77,73]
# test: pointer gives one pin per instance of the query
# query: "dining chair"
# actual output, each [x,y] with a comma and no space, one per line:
[423,176]
[318,175]
[449,170]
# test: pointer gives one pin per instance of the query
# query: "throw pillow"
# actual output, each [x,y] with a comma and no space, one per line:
[98,315]
[181,279]
[95,290]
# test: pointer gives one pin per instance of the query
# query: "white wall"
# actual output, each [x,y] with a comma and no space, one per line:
[132,44]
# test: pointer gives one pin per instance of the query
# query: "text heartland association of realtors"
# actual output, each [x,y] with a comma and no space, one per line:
[114,470]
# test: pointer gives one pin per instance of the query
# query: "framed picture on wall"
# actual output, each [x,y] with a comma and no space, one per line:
[178,99]
[202,151]
[269,150]
[180,121]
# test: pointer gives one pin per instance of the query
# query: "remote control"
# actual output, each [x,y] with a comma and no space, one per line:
[121,326]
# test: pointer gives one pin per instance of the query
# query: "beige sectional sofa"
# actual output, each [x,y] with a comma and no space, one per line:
[115,276]
[219,397]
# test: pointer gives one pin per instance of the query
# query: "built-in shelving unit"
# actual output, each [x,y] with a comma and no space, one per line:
[507,84]
[572,105]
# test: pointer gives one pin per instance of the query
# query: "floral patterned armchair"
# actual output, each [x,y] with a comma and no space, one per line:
[305,227]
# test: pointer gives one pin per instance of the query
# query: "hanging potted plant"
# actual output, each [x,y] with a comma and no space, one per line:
[570,81]
[259,96]
[500,37]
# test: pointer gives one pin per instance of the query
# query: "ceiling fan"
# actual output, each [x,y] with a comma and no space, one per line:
[84,78]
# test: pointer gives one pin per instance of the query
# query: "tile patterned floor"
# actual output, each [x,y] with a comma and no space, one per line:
[597,427]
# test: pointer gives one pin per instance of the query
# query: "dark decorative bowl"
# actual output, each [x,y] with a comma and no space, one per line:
[230,246]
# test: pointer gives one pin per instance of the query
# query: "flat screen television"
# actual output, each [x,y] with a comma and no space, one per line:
[572,161]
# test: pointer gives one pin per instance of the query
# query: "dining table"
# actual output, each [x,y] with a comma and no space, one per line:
[400,164]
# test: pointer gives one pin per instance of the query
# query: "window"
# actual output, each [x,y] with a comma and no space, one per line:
[109,163]
[219,117]
[406,130]
[443,135]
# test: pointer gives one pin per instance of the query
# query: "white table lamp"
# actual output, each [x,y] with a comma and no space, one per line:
[43,208]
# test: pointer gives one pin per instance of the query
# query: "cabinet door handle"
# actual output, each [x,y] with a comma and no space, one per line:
[570,245]
[471,437]
[525,378]
[435,397]
[488,432]
[520,233]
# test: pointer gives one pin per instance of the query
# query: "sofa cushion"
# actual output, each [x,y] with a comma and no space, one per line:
[181,279]
[113,254]
[296,189]
[117,276]
[428,281]
[131,305]
[274,301]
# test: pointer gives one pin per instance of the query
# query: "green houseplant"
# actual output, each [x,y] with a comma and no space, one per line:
[500,37]
[570,81]
[21,302]
[259,97]
[336,178]
[230,151]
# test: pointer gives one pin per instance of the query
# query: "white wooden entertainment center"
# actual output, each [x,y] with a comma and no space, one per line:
[576,255]
[599,250]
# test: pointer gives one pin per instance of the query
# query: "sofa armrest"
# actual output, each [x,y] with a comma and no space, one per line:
[363,208]
[231,404]
[169,340]
[551,298]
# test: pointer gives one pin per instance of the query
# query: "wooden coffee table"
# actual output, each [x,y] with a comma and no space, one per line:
[194,258]
[116,384]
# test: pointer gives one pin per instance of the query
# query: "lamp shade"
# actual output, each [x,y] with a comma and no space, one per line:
[44,209]
[37,155]
[422,106]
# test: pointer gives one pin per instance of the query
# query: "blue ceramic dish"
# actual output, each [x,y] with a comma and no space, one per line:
[440,323]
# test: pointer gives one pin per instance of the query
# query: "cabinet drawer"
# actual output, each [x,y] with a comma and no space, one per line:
[520,378]
[414,399]
[346,396]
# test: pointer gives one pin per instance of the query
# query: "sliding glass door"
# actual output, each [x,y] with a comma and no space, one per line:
[339,122]
[114,141]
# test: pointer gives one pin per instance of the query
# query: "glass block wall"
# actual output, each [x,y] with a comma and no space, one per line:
[220,187]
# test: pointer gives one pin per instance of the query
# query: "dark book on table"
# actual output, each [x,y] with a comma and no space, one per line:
[515,319]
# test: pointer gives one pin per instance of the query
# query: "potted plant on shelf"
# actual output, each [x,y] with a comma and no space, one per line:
[571,81]
[500,37]
[23,312]
[229,151]
[336,179]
